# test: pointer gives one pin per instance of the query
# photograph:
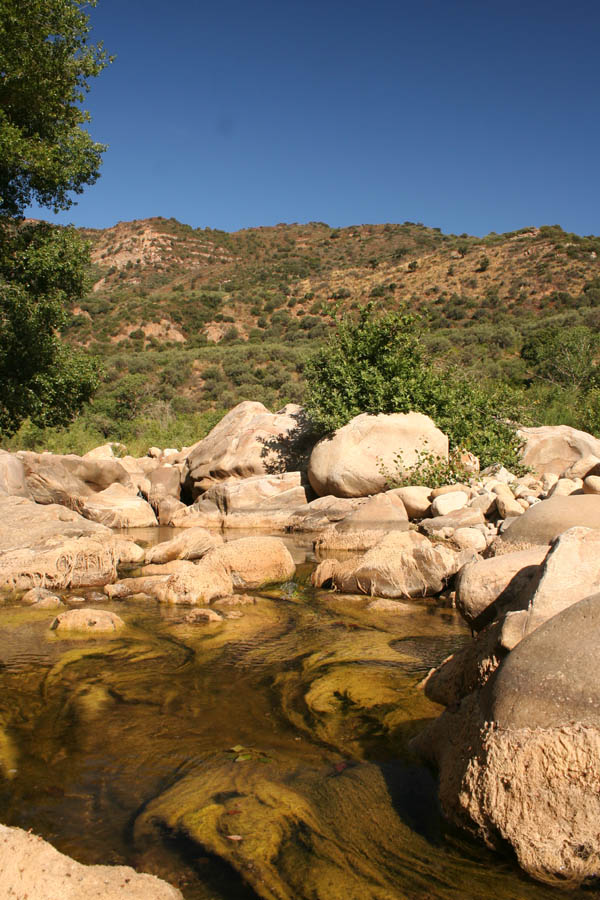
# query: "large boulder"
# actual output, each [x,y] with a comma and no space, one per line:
[258,492]
[354,461]
[249,440]
[165,483]
[365,526]
[50,546]
[401,565]
[487,587]
[117,507]
[554,448]
[88,621]
[12,476]
[544,521]
[70,480]
[192,544]
[30,867]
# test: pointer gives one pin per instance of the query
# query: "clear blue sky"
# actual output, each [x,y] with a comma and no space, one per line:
[469,116]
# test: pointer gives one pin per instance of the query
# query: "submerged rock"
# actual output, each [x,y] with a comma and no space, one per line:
[96,621]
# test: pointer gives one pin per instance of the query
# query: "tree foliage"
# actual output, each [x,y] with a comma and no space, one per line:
[563,356]
[46,156]
[379,365]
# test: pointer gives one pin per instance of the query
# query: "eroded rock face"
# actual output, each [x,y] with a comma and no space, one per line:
[192,544]
[519,754]
[365,526]
[400,565]
[350,463]
[30,867]
[248,441]
[554,448]
[69,480]
[118,507]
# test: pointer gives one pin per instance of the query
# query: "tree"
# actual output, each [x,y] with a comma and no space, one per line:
[46,156]
[564,356]
[379,365]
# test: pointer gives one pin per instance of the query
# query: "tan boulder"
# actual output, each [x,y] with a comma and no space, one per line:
[544,521]
[30,867]
[322,512]
[554,448]
[564,487]
[470,539]
[252,562]
[448,502]
[440,526]
[69,480]
[192,544]
[591,484]
[248,441]
[96,621]
[416,499]
[258,492]
[12,476]
[353,462]
[164,482]
[486,587]
[508,507]
[400,565]
[364,526]
[106,451]
[117,507]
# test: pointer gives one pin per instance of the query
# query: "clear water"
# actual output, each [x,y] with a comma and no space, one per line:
[264,756]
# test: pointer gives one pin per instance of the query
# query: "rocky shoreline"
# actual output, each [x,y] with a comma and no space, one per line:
[518,747]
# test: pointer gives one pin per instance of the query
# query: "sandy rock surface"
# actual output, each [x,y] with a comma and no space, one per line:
[32,868]
[554,448]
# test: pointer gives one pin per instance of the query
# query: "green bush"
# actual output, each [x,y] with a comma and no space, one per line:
[375,365]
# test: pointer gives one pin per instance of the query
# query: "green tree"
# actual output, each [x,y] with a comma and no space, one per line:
[46,157]
[563,356]
[379,364]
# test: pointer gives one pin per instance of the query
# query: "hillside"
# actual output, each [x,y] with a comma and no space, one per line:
[186,320]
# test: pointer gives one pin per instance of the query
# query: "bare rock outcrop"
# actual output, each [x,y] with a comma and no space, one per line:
[554,448]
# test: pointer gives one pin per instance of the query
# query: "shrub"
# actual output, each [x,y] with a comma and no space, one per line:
[378,365]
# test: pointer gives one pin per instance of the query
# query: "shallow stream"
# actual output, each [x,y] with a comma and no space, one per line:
[262,756]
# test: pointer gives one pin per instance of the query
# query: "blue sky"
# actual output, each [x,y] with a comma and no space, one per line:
[471,117]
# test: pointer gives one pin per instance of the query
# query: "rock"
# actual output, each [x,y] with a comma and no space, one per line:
[169,509]
[70,480]
[470,539]
[544,521]
[41,598]
[400,565]
[98,621]
[350,463]
[591,484]
[202,614]
[54,547]
[30,867]
[193,544]
[564,487]
[460,518]
[586,465]
[117,507]
[486,502]
[248,441]
[508,507]
[258,493]
[485,588]
[554,448]
[363,527]
[446,503]
[164,484]
[497,473]
[416,499]
[12,476]
[571,571]
[381,604]
[322,512]
[106,451]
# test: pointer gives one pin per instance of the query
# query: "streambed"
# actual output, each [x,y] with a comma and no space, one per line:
[262,756]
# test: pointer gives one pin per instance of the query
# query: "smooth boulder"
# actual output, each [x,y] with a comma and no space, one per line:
[554,448]
[544,521]
[355,462]
[118,507]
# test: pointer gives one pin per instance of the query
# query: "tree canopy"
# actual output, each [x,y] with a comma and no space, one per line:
[46,157]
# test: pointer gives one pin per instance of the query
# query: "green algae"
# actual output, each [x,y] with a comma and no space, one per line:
[265,756]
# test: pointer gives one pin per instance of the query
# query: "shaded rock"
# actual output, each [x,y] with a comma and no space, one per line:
[30,867]
[363,527]
[97,621]
[202,615]
[564,487]
[508,507]
[193,544]
[41,598]
[117,507]
[587,465]
[400,565]
[70,480]
[487,587]
[544,521]
[165,483]
[350,463]
[554,448]
[258,492]
[248,441]
[591,484]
